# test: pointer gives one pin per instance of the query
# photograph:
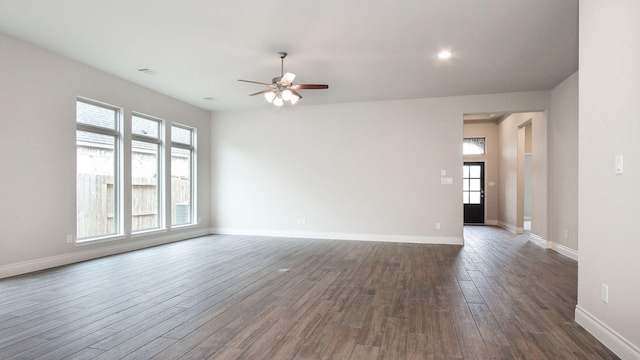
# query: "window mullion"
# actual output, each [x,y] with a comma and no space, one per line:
[98,130]
[144,138]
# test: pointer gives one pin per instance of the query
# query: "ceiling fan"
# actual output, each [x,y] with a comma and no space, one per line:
[282,88]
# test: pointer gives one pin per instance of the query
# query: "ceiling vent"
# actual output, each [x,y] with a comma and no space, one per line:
[148,71]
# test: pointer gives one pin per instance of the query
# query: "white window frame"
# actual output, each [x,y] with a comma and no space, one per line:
[193,175]
[116,133]
[161,222]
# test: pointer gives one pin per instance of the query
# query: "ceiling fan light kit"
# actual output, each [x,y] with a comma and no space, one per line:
[282,88]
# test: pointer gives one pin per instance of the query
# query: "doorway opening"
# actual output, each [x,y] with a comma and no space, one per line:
[513,155]
[528,177]
[525,175]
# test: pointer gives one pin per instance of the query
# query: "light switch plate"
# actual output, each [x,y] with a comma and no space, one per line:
[618,164]
[446,181]
[604,296]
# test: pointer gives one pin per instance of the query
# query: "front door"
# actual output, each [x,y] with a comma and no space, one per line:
[473,192]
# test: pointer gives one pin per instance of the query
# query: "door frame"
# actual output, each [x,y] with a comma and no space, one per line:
[484,188]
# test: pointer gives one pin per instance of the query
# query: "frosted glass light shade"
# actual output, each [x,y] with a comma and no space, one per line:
[286,95]
[278,101]
[269,96]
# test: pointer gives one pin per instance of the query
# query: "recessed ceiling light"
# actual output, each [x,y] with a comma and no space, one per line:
[444,55]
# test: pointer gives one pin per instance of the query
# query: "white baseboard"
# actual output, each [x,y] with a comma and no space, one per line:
[89,252]
[564,250]
[611,339]
[444,240]
[539,240]
[559,248]
[506,226]
[491,222]
[513,229]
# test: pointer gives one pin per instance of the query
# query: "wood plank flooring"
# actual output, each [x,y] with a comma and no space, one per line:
[237,297]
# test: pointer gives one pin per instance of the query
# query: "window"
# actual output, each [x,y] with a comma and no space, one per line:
[473,146]
[146,183]
[182,174]
[98,193]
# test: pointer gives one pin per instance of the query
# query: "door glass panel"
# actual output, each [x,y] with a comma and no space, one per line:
[474,184]
[474,197]
[474,171]
[465,197]
[465,184]
[465,171]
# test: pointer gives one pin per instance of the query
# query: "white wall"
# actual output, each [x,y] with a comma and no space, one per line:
[609,111]
[563,165]
[508,191]
[352,171]
[38,91]
[488,130]
[540,172]
[512,134]
[528,176]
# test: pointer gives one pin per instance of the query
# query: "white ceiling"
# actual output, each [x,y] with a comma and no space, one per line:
[365,50]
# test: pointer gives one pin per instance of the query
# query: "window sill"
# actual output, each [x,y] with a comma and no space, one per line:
[110,238]
[142,233]
[184,226]
[98,240]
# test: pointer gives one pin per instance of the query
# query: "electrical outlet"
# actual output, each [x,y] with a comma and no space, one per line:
[438,226]
[199,220]
[69,238]
[566,233]
[604,296]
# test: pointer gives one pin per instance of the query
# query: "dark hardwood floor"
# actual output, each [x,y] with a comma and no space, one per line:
[235,297]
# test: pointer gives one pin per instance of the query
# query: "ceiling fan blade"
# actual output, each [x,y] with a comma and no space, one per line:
[296,93]
[287,79]
[309,86]
[256,82]
[261,92]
